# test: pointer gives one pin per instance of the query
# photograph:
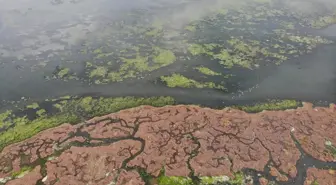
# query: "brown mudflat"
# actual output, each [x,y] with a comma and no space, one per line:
[187,140]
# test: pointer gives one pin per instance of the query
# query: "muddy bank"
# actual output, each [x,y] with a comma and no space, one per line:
[285,147]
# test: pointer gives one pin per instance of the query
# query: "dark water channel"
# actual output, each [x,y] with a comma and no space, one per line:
[32,31]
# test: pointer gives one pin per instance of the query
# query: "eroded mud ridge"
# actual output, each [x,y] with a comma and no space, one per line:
[134,145]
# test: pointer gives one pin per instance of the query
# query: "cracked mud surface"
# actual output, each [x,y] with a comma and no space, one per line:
[288,147]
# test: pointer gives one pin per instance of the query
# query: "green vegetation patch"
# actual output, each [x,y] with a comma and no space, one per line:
[163,57]
[165,180]
[134,62]
[238,179]
[271,105]
[207,71]
[99,71]
[199,49]
[23,171]
[72,111]
[62,72]
[330,148]
[323,21]
[33,106]
[41,112]
[177,80]
[213,180]
[204,180]
[229,60]
[4,118]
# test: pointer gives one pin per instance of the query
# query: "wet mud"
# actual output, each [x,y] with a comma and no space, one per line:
[132,147]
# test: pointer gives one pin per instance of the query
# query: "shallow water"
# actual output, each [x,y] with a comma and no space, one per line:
[309,78]
[34,34]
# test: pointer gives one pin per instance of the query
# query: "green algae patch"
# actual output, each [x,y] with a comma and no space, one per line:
[136,64]
[23,171]
[98,51]
[238,179]
[5,119]
[229,60]
[33,106]
[165,180]
[330,148]
[199,49]
[73,111]
[271,105]
[207,71]
[41,112]
[213,180]
[163,57]
[154,32]
[323,21]
[190,27]
[177,80]
[63,72]
[99,71]
[205,180]
[115,77]
[139,63]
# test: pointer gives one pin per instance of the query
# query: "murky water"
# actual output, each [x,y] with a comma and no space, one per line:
[35,34]
[310,78]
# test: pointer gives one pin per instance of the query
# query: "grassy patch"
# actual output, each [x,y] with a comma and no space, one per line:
[24,170]
[271,105]
[331,148]
[177,80]
[73,111]
[213,180]
[165,180]
[205,180]
[238,179]
[3,118]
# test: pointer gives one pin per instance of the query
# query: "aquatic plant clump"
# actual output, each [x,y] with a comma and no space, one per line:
[5,119]
[134,62]
[207,71]
[271,105]
[178,80]
[99,71]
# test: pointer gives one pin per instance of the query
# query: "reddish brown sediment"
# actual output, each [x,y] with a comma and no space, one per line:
[183,139]
[30,178]
[263,181]
[327,177]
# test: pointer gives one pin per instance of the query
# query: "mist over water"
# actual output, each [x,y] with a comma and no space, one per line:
[35,36]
